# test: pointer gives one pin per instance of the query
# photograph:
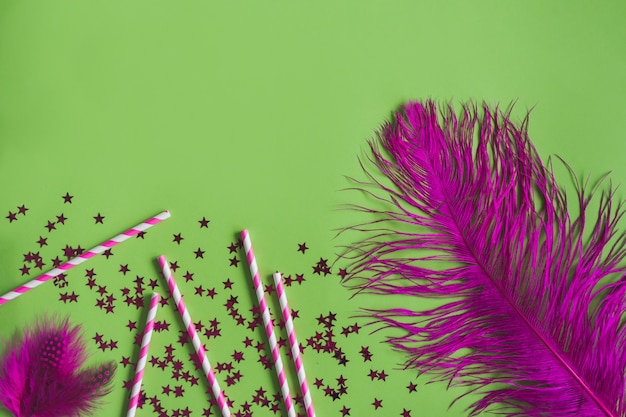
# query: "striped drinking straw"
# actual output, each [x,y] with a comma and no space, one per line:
[193,335]
[269,327]
[143,355]
[293,342]
[83,257]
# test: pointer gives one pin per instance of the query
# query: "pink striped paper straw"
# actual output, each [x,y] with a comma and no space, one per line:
[295,347]
[193,335]
[143,355]
[83,257]
[269,327]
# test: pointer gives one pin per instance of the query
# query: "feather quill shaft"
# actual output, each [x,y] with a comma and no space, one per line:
[534,294]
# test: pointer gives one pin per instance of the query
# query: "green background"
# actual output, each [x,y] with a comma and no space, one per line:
[251,114]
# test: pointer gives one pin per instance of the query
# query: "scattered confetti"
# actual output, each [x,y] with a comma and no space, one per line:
[231,324]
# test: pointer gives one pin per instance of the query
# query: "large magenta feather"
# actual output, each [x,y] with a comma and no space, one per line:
[41,373]
[533,296]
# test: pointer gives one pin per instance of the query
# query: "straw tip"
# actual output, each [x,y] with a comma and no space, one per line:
[164,215]
[162,260]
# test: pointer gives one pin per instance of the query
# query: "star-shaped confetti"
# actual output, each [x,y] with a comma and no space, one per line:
[178,238]
[119,290]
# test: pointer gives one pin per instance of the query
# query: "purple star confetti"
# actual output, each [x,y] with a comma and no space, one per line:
[218,291]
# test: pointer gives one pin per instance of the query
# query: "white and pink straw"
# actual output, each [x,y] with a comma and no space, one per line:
[269,327]
[143,355]
[193,335]
[83,257]
[293,342]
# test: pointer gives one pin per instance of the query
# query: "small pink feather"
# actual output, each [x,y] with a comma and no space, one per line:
[41,375]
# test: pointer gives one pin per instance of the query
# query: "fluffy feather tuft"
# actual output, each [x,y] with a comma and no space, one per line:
[533,297]
[41,376]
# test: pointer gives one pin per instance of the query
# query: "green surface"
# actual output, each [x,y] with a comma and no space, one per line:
[251,113]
